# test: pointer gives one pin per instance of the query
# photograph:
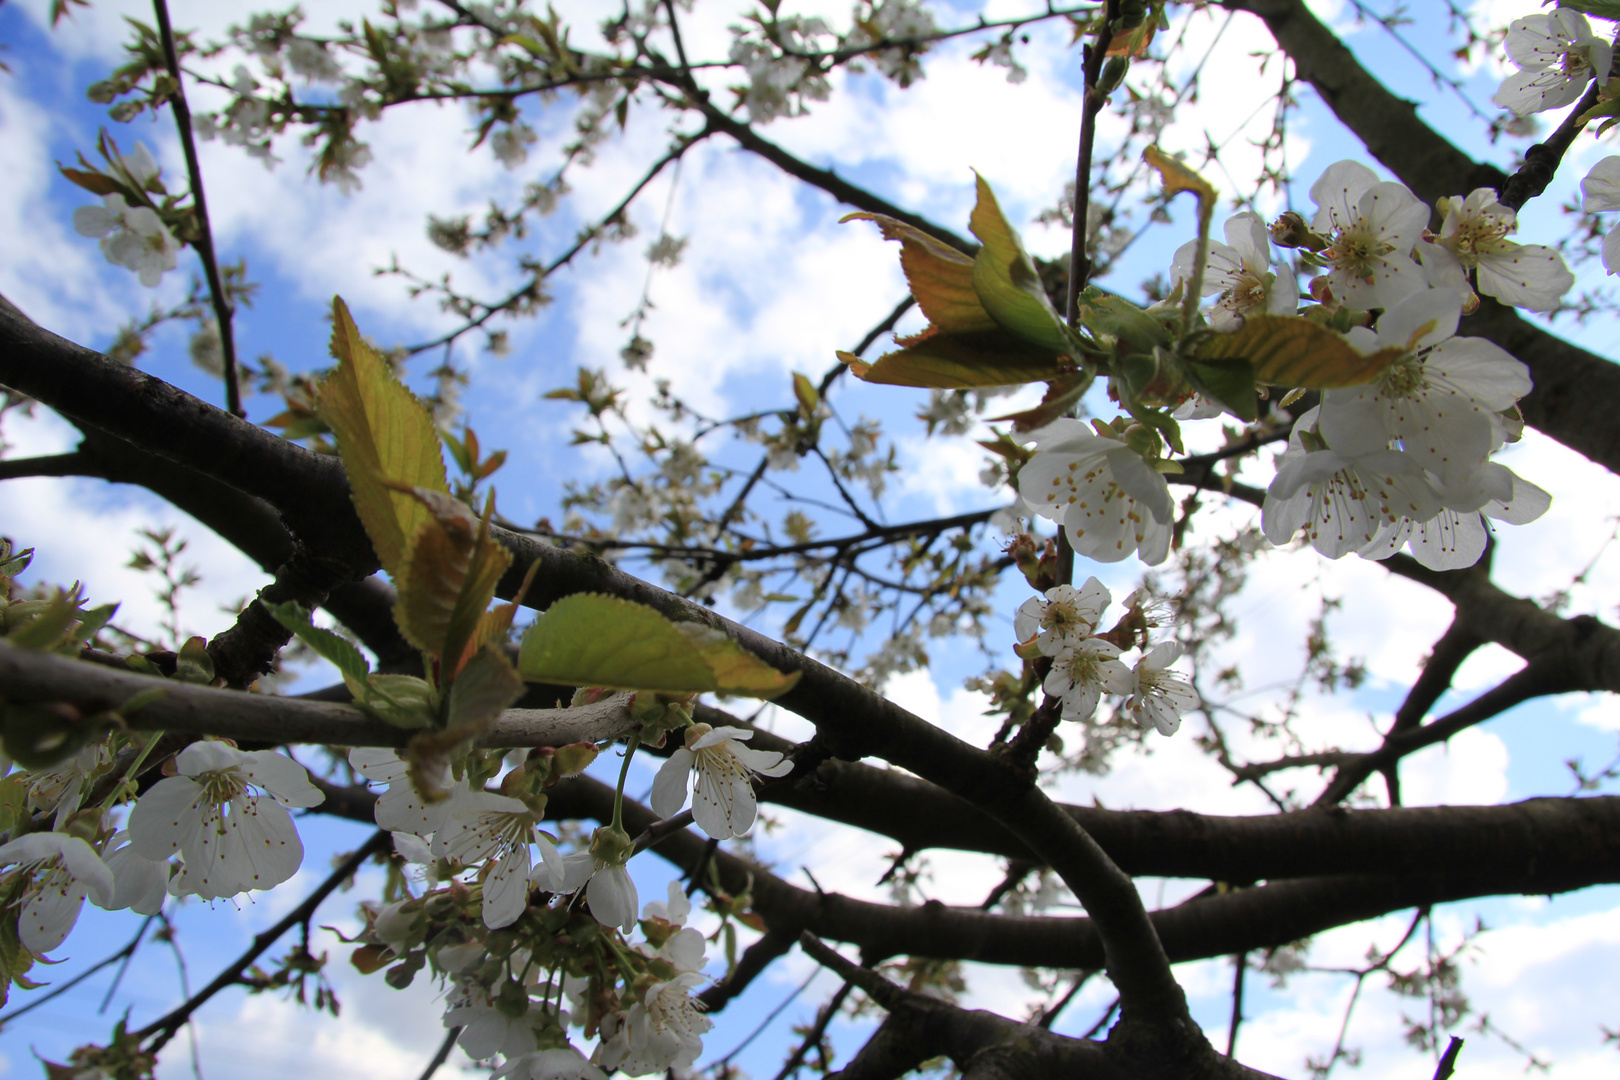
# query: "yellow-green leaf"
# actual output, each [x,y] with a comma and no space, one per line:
[1006,281]
[447,580]
[940,277]
[1178,177]
[486,686]
[593,640]
[1293,351]
[959,361]
[385,435]
[808,396]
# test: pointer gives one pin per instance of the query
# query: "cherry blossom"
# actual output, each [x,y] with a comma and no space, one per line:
[662,1031]
[62,789]
[1080,674]
[1455,537]
[1160,696]
[1473,238]
[252,846]
[1374,225]
[57,871]
[1557,54]
[1065,616]
[1108,499]
[401,808]
[131,236]
[1602,190]
[1440,398]
[1343,501]
[723,802]
[483,827]
[487,1030]
[1240,271]
[565,1063]
[600,871]
[683,948]
[139,883]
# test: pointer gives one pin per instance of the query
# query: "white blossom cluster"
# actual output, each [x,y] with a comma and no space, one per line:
[1401,461]
[223,813]
[657,1026]
[1087,664]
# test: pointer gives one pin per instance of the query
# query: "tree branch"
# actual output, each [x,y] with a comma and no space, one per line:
[203,710]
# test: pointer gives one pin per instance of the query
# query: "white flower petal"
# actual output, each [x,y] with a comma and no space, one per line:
[669,785]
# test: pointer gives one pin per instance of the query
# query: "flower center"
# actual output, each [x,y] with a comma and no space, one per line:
[1405,378]
[1358,251]
[1480,235]
[1573,64]
[222,786]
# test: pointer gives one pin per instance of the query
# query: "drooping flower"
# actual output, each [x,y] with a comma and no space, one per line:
[484,827]
[1374,225]
[1440,398]
[230,838]
[1602,190]
[486,1030]
[1064,616]
[62,789]
[54,872]
[1107,498]
[1557,54]
[1240,271]
[1473,237]
[723,803]
[1160,696]
[600,871]
[1080,674]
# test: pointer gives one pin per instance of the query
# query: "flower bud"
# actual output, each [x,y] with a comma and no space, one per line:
[1290,231]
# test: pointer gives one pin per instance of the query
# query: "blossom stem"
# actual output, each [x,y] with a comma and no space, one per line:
[1095,99]
[624,771]
[130,773]
[205,234]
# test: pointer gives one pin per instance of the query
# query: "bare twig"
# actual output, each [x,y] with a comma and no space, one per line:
[56,991]
[205,232]
[442,1054]
[164,1028]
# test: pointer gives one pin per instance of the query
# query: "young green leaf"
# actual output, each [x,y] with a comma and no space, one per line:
[1005,279]
[1293,351]
[1230,382]
[593,640]
[384,435]
[958,361]
[940,277]
[338,651]
[487,685]
[447,579]
[402,700]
